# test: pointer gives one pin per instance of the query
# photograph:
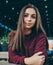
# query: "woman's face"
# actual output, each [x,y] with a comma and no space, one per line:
[29,18]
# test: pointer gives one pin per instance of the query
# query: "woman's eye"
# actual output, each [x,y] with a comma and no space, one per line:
[25,15]
[33,16]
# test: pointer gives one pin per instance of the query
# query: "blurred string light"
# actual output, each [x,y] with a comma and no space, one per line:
[46,6]
[6,1]
[46,11]
[13,8]
[17,13]
[46,14]
[48,23]
[45,0]
[5,27]
[9,18]
[5,16]
[47,18]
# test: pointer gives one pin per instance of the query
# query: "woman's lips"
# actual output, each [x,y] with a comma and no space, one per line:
[29,23]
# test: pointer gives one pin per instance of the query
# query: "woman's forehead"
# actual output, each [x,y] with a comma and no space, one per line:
[30,10]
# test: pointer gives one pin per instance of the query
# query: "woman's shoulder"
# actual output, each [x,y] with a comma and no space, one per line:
[11,34]
[41,36]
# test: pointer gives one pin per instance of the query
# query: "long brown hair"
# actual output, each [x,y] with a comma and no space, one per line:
[19,36]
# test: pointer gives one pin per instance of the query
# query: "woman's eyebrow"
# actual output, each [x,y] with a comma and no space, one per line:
[28,13]
[33,14]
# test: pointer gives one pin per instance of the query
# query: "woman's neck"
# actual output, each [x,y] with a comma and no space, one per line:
[27,31]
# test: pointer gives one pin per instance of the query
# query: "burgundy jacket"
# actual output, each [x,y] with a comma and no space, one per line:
[33,43]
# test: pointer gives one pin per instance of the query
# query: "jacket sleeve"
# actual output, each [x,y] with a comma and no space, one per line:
[42,45]
[14,58]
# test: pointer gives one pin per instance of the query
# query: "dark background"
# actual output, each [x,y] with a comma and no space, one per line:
[10,9]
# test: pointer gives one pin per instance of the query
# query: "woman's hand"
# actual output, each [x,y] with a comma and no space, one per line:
[36,59]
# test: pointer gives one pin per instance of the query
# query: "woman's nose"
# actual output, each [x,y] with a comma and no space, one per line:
[29,18]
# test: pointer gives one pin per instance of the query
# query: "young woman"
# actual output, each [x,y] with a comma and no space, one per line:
[28,44]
